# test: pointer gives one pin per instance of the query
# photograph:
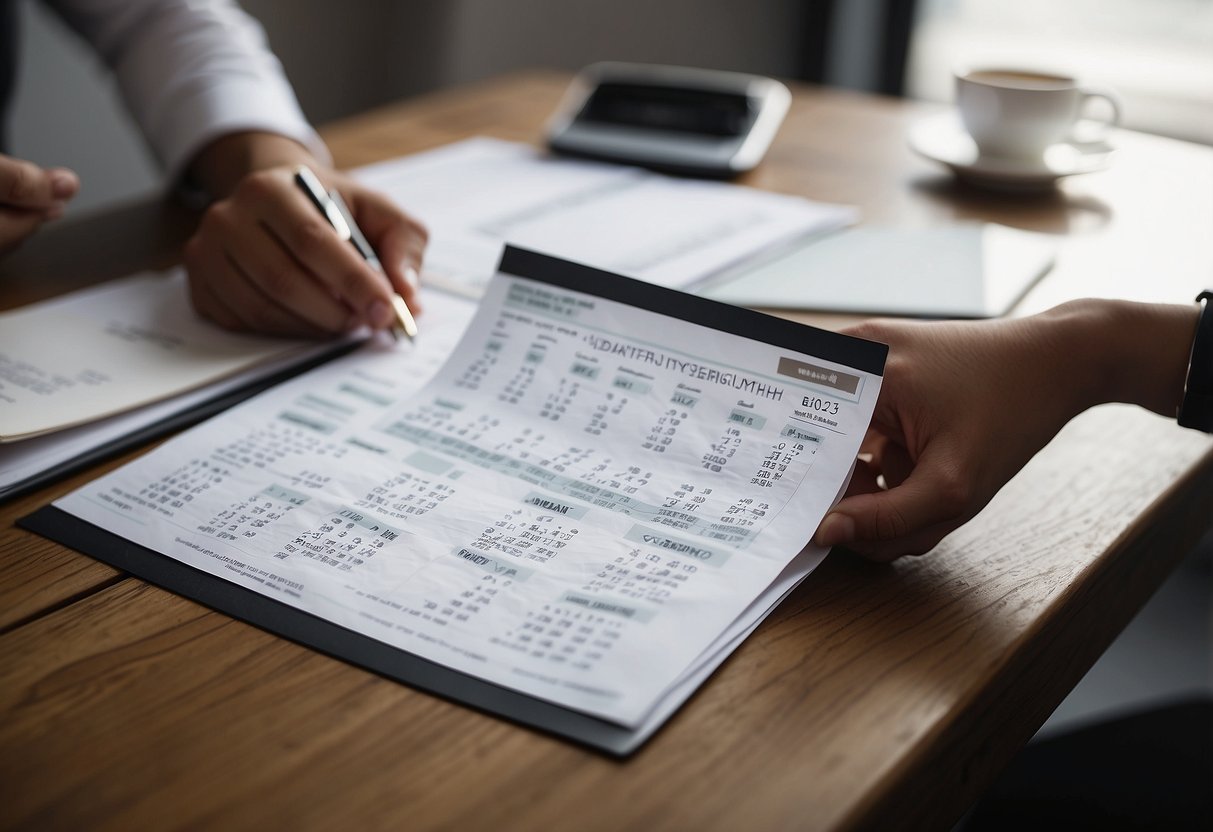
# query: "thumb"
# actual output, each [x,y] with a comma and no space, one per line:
[931,496]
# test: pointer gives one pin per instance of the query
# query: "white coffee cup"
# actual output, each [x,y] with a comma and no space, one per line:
[1019,114]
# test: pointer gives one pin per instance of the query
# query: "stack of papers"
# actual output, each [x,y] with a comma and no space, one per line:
[81,372]
[476,195]
[566,506]
[967,270]
[83,375]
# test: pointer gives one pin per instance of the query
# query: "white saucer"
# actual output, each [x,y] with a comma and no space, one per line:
[943,139]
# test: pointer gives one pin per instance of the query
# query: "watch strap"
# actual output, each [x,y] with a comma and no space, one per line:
[1196,409]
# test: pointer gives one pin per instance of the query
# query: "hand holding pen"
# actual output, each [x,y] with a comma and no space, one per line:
[264,259]
[334,210]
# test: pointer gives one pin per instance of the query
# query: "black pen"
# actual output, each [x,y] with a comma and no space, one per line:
[333,208]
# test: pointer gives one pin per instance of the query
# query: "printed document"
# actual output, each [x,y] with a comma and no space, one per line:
[477,194]
[121,345]
[589,497]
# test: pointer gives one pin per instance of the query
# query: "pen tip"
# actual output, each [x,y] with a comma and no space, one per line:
[404,318]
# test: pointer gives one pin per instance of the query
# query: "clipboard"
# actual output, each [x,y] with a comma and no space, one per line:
[326,637]
[398,663]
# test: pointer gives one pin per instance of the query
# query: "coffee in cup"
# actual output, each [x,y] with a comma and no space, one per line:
[1017,114]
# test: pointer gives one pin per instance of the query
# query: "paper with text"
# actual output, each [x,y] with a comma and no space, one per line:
[477,194]
[580,505]
[107,350]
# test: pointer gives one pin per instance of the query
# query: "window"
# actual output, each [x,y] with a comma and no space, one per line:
[1158,54]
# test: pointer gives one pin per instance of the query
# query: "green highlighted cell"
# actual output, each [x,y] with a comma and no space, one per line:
[366,395]
[799,434]
[366,446]
[747,419]
[428,462]
[307,422]
[541,299]
[676,546]
[583,370]
[327,405]
[610,606]
[631,385]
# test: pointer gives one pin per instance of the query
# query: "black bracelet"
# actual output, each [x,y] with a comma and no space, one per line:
[1196,410]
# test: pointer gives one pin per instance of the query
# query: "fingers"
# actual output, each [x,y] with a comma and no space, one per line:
[230,298]
[911,517]
[893,462]
[17,224]
[864,479]
[316,246]
[30,196]
[266,260]
[398,238]
[254,255]
[25,185]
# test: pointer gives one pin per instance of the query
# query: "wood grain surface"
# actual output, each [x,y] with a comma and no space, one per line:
[875,697]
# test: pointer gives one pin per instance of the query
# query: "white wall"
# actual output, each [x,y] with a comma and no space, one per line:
[346,56]
[65,111]
[754,36]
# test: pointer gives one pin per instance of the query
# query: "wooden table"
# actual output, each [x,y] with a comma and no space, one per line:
[874,697]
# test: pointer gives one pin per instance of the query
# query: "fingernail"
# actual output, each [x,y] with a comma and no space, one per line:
[64,183]
[378,314]
[55,211]
[836,528]
[410,276]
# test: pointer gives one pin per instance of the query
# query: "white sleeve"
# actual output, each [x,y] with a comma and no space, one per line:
[191,71]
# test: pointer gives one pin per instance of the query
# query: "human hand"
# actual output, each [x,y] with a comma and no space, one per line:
[264,259]
[963,406]
[29,196]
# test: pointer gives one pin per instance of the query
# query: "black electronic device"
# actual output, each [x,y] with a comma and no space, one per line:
[697,122]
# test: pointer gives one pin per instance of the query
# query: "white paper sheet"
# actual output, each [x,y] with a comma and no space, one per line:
[477,194]
[590,503]
[109,349]
[31,462]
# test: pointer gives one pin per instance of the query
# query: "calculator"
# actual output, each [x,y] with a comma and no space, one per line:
[695,122]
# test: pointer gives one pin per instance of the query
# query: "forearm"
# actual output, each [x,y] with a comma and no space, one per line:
[1118,351]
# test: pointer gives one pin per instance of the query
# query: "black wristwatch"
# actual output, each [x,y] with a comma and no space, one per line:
[1196,409]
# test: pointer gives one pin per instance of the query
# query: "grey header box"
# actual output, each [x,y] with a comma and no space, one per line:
[608,605]
[553,505]
[822,376]
[675,546]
